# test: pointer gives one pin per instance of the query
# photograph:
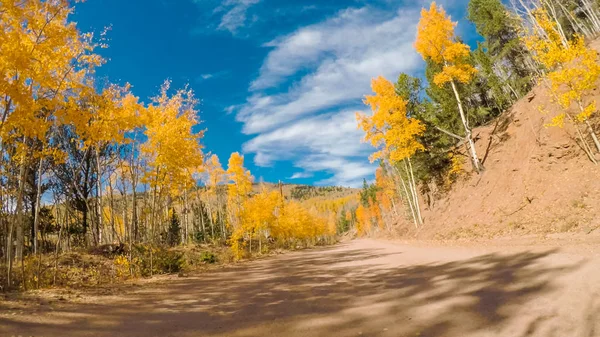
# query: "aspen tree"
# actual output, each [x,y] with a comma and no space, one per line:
[393,134]
[239,187]
[173,149]
[44,60]
[437,42]
[572,72]
[215,177]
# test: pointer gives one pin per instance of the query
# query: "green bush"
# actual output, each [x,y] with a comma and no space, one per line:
[158,260]
[208,257]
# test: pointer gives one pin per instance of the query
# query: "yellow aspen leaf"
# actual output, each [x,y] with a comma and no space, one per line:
[436,41]
[558,120]
[572,68]
[389,129]
[587,112]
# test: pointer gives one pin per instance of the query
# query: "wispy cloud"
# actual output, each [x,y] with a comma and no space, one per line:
[235,14]
[319,74]
[329,142]
[301,175]
[209,76]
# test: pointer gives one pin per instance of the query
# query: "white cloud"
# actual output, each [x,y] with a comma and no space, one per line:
[230,109]
[212,76]
[334,134]
[263,159]
[235,14]
[329,142]
[300,175]
[344,52]
[345,172]
[321,72]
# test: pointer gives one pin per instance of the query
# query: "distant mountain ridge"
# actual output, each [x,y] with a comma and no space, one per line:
[303,192]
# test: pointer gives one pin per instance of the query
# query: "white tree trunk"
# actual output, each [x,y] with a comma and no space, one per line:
[409,199]
[593,134]
[36,217]
[415,192]
[468,134]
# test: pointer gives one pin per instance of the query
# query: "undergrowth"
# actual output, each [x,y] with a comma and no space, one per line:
[80,269]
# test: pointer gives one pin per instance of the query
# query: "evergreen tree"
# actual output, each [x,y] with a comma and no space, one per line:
[501,58]
[174,231]
[343,223]
[430,164]
[368,193]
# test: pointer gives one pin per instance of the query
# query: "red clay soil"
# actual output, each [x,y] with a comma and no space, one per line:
[537,180]
[359,288]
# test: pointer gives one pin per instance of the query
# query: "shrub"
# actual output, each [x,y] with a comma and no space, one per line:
[208,257]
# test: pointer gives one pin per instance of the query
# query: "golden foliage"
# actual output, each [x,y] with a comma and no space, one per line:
[456,169]
[436,41]
[389,129]
[267,215]
[239,187]
[386,189]
[572,69]
[45,64]
[363,218]
[122,266]
[558,120]
[173,149]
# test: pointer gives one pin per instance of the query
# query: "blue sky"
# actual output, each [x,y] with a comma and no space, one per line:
[279,80]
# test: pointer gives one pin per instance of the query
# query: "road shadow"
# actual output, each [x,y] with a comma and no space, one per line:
[332,291]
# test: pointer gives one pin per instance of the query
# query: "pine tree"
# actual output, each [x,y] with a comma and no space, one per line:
[440,122]
[501,56]
[174,230]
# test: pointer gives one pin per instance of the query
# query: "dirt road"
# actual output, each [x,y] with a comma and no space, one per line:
[359,288]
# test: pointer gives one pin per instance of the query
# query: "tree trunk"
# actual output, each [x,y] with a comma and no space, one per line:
[584,145]
[468,135]
[134,217]
[561,32]
[409,199]
[134,214]
[20,214]
[591,15]
[202,222]
[415,192]
[410,202]
[593,134]
[184,239]
[574,22]
[153,213]
[99,223]
[111,196]
[56,252]
[36,217]
[210,219]
[9,251]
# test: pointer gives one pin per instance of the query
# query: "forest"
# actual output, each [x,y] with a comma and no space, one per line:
[87,165]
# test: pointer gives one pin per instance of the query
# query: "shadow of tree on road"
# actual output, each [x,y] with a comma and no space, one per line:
[332,291]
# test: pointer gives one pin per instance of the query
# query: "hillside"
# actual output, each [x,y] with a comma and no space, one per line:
[303,192]
[536,180]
